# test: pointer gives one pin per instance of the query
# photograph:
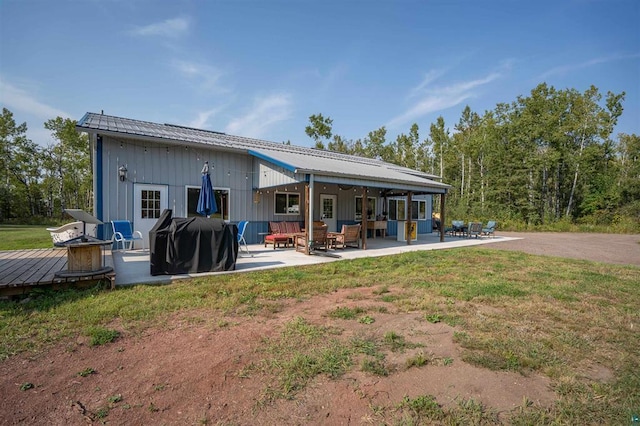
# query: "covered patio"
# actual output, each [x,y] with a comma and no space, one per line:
[132,267]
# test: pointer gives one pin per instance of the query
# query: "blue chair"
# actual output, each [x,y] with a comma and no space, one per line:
[123,234]
[242,226]
[490,229]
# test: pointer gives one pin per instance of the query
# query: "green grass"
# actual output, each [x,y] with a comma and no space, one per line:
[512,312]
[21,237]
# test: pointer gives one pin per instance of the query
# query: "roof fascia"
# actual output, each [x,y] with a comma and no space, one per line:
[278,163]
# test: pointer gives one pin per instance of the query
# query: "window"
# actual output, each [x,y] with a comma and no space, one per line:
[397,209]
[418,210]
[150,204]
[287,203]
[222,201]
[371,208]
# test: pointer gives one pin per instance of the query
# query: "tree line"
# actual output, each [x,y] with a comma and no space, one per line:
[39,182]
[544,158]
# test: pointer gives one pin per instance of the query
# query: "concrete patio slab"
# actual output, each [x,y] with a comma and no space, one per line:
[132,267]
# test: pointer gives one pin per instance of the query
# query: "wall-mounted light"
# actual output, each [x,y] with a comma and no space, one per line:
[122,173]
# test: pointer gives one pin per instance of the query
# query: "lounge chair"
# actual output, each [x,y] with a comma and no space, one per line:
[489,229]
[349,236]
[123,233]
[474,229]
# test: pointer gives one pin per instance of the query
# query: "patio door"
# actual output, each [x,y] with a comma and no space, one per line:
[149,203]
[328,211]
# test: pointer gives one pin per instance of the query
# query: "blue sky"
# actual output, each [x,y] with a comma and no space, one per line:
[261,68]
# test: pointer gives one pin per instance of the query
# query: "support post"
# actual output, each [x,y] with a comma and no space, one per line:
[442,216]
[364,227]
[310,227]
[407,231]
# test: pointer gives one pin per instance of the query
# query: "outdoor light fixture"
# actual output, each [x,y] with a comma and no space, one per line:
[122,173]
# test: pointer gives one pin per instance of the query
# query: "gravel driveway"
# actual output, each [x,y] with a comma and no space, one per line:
[607,248]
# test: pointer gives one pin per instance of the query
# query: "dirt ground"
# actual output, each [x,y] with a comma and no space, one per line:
[608,248]
[197,372]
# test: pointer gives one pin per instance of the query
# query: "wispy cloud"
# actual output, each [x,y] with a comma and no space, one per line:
[202,121]
[565,69]
[18,99]
[264,113]
[429,78]
[172,28]
[437,98]
[205,77]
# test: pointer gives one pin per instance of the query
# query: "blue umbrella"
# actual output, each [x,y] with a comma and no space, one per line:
[207,200]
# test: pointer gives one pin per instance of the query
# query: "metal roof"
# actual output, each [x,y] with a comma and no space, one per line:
[328,164]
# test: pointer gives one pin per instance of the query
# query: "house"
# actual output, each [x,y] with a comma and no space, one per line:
[141,168]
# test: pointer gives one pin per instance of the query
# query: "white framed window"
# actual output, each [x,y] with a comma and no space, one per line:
[287,203]
[371,208]
[398,209]
[222,201]
[418,210]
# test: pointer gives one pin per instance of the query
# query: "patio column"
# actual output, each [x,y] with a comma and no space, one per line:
[442,222]
[365,206]
[409,216]
[309,219]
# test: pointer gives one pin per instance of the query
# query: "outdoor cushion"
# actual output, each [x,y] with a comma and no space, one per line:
[276,239]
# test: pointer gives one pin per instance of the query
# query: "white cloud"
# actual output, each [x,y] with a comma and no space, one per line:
[265,113]
[206,77]
[203,117]
[17,99]
[565,69]
[173,28]
[439,98]
[429,78]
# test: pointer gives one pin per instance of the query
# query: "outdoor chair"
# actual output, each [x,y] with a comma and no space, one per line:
[349,236]
[319,240]
[489,229]
[242,226]
[474,229]
[65,232]
[293,231]
[277,236]
[123,233]
[458,228]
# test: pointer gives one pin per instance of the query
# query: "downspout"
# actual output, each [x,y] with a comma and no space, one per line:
[97,185]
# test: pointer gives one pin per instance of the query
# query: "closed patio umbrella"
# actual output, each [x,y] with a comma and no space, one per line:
[207,200]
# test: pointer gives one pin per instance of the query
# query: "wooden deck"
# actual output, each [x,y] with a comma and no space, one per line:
[23,270]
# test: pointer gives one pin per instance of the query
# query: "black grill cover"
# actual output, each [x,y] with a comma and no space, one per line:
[191,245]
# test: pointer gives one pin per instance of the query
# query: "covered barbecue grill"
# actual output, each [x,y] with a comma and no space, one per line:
[192,245]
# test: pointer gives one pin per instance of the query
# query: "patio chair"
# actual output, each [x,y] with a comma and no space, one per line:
[277,236]
[458,228]
[242,226]
[489,229]
[319,240]
[123,233]
[474,229]
[349,236]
